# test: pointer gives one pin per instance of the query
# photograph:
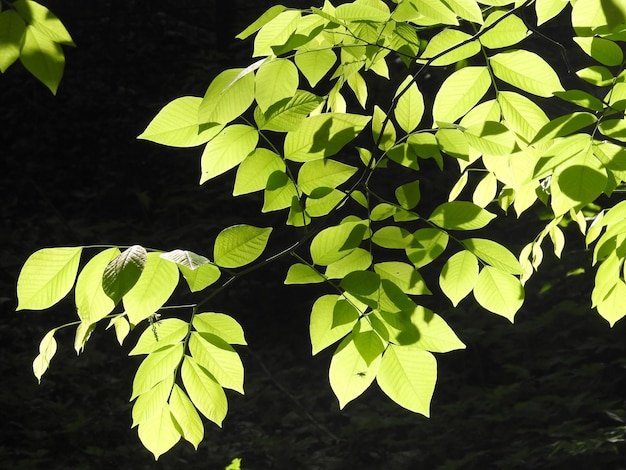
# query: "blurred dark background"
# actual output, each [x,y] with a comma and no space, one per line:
[547,392]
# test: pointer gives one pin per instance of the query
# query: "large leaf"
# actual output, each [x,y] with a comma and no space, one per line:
[156,367]
[349,373]
[42,57]
[92,303]
[227,97]
[149,404]
[460,92]
[276,32]
[494,254]
[315,63]
[325,173]
[160,433]
[450,40]
[239,245]
[47,277]
[460,215]
[158,280]
[323,136]
[458,276]
[499,292]
[47,350]
[332,318]
[275,82]
[12,29]
[403,275]
[186,416]
[255,170]
[507,32]
[433,242]
[408,376]
[227,150]
[204,391]
[219,358]
[177,125]
[526,71]
[43,20]
[333,243]
[123,272]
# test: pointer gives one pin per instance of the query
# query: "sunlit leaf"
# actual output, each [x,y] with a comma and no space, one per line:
[240,245]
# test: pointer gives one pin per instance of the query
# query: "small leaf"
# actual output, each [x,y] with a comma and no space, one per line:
[564,126]
[122,327]
[280,190]
[150,404]
[460,215]
[43,20]
[201,277]
[47,277]
[410,105]
[433,242]
[408,195]
[92,303]
[408,376]
[394,238]
[239,245]
[47,350]
[156,367]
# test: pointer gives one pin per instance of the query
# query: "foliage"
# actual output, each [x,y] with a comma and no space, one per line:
[347,173]
[32,33]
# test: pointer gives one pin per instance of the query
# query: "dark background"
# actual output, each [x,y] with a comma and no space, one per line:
[545,393]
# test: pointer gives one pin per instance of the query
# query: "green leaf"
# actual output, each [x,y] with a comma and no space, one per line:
[255,170]
[47,350]
[467,9]
[159,434]
[394,237]
[92,303]
[156,284]
[614,128]
[410,105]
[288,117]
[42,19]
[239,245]
[227,150]
[460,92]
[201,277]
[433,242]
[548,9]
[275,82]
[177,125]
[507,32]
[358,260]
[499,292]
[323,201]
[491,138]
[276,32]
[581,98]
[385,139]
[332,318]
[279,192]
[325,173]
[408,195]
[494,254]
[227,97]
[219,358]
[323,136]
[303,274]
[160,334]
[349,373]
[364,286]
[83,333]
[431,332]
[612,306]
[47,277]
[363,11]
[333,243]
[157,366]
[122,327]
[522,116]
[369,344]
[526,71]
[205,393]
[12,28]
[564,126]
[404,276]
[596,75]
[261,21]
[435,10]
[578,183]
[408,376]
[221,325]
[185,258]
[486,190]
[449,39]
[460,215]
[123,272]
[43,58]
[603,50]
[186,416]
[315,64]
[150,404]
[458,276]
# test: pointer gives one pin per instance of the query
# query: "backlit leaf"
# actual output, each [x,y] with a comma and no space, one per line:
[227,150]
[123,272]
[226,98]
[156,367]
[333,243]
[458,276]
[92,303]
[303,274]
[499,292]
[332,317]
[205,393]
[221,325]
[47,350]
[324,173]
[186,416]
[239,245]
[47,277]
[494,254]
[526,71]
[219,358]
[460,215]
[410,105]
[12,29]
[159,434]
[160,334]
[275,82]
[460,92]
